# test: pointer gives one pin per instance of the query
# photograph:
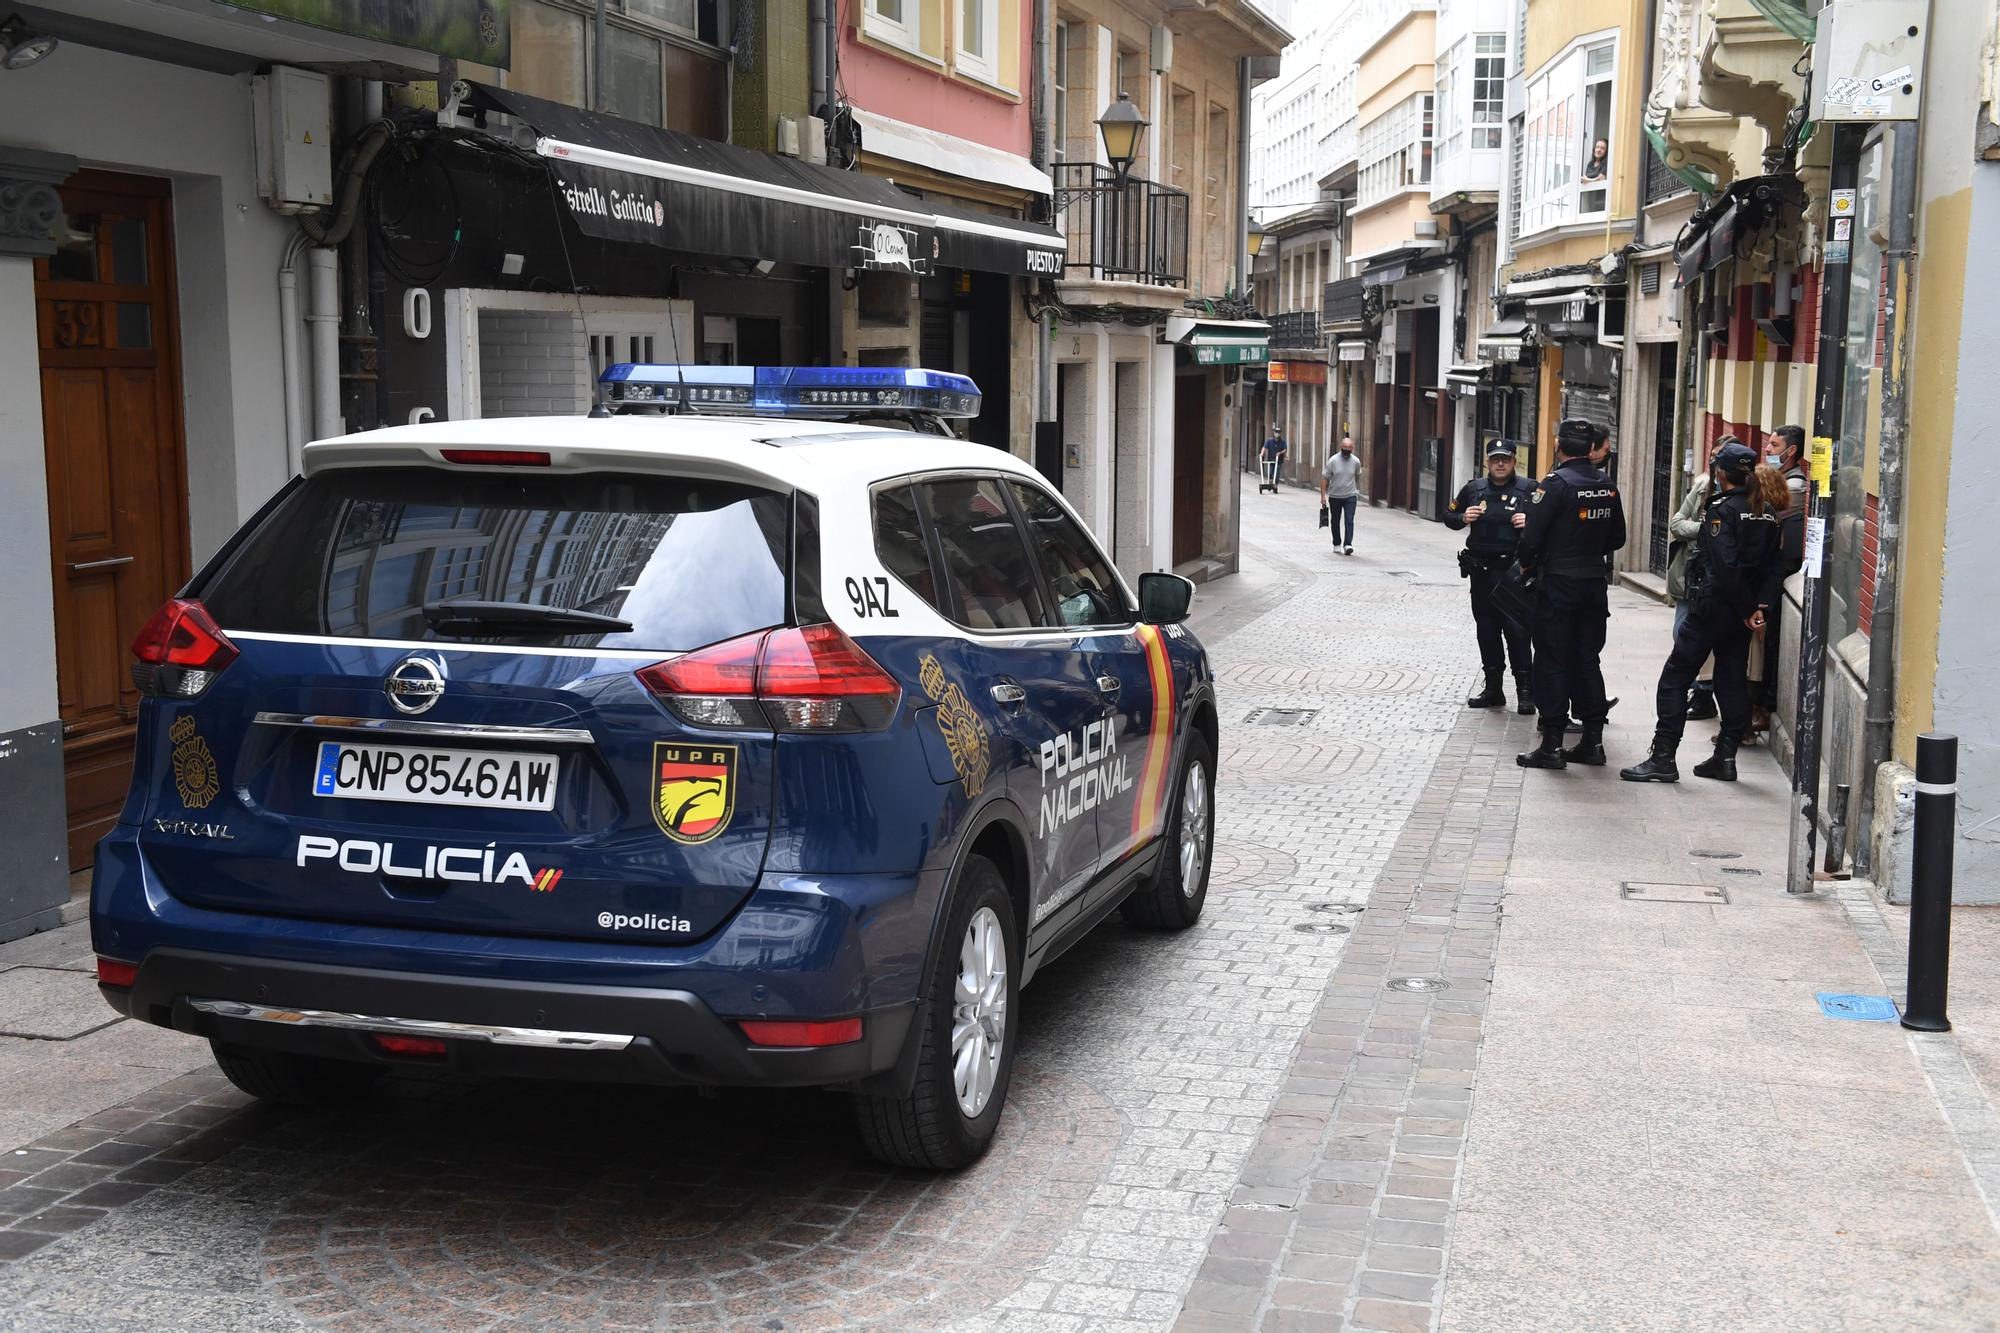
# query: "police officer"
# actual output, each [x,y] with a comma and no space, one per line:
[1492,510]
[1734,573]
[1575,522]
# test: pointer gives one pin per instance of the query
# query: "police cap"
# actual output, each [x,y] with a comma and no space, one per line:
[1499,448]
[1574,435]
[1734,460]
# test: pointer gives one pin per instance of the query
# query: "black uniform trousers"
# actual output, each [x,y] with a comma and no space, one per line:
[1571,616]
[1710,628]
[1496,631]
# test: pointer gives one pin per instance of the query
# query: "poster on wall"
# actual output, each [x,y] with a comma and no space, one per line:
[475,30]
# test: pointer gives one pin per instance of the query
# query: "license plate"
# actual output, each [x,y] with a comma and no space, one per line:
[498,779]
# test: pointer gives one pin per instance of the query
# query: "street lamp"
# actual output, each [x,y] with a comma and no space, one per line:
[1253,238]
[1121,127]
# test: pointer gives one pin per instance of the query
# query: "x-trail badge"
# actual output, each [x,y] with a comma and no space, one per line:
[414,684]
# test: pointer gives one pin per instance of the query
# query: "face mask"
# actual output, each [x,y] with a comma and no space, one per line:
[1773,460]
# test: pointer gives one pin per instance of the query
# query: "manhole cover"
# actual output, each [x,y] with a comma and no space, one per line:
[1710,854]
[1281,717]
[1858,1008]
[1320,928]
[1642,891]
[1419,984]
[1333,907]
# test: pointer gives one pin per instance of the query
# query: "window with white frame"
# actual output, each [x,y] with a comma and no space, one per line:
[1450,121]
[1471,87]
[979,39]
[1059,95]
[1395,151]
[899,22]
[1489,88]
[1564,177]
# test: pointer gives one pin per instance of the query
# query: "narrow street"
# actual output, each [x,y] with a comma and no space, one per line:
[1615,1112]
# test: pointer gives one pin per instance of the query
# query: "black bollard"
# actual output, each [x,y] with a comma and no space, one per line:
[1930,883]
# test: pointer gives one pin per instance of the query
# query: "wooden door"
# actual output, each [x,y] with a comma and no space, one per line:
[1190,463]
[106,322]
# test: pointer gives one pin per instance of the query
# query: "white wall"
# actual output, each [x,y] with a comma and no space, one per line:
[27,598]
[124,114]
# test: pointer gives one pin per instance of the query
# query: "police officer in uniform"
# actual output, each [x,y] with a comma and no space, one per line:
[1734,574]
[1492,510]
[1575,521]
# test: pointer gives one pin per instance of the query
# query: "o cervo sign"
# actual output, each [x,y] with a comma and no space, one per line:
[884,245]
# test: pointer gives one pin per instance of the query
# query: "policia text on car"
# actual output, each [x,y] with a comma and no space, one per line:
[1575,521]
[1492,510]
[1734,574]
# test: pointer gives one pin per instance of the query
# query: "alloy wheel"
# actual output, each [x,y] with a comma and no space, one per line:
[979,1012]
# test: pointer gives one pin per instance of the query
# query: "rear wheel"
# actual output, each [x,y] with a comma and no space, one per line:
[967,1057]
[1173,898]
[301,1080]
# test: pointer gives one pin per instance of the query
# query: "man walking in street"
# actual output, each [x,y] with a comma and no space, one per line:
[1575,521]
[1274,451]
[1340,491]
[1492,510]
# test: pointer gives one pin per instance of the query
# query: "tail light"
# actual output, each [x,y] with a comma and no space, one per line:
[810,678]
[111,972]
[180,651]
[829,1032]
[409,1048]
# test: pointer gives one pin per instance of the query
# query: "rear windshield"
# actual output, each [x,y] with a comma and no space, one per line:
[384,553]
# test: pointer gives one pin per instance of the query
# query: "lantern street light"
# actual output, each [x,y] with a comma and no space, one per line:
[1121,127]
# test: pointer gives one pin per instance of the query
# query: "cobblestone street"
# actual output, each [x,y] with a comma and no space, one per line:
[1262,1123]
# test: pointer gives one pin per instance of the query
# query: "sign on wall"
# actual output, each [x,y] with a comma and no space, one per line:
[1297,372]
[475,30]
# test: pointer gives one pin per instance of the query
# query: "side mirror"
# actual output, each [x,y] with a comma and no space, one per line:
[1164,599]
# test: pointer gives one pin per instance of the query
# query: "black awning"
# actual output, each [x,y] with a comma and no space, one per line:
[1385,274]
[623,181]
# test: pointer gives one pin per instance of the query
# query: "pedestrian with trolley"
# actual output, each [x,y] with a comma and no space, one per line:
[1275,450]
[1491,511]
[1340,492]
[1734,573]
[1575,522]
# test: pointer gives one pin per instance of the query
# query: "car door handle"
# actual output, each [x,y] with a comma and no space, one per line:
[1107,685]
[77,567]
[1008,695]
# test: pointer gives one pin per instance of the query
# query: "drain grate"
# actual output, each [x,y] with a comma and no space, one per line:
[1320,928]
[1739,870]
[1710,854]
[1644,891]
[1419,984]
[1281,717]
[1333,907]
[1857,1008]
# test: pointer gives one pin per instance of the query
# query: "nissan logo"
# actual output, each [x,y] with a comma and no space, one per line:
[414,684]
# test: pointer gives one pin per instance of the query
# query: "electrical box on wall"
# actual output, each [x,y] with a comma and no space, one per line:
[294,139]
[1868,63]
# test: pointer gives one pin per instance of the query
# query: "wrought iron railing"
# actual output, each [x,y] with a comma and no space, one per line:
[1296,329]
[1134,232]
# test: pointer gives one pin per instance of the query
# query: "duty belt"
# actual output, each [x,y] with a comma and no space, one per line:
[1578,567]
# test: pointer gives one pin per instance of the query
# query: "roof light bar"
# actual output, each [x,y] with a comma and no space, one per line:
[791,391]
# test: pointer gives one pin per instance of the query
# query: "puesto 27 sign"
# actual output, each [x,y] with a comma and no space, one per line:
[473,30]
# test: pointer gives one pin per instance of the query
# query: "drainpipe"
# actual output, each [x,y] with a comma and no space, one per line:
[1039,144]
[1878,726]
[597,58]
[816,61]
[288,353]
[1242,222]
[323,329]
[1640,162]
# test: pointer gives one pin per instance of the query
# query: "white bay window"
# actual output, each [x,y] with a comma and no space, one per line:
[1564,174]
[1395,151]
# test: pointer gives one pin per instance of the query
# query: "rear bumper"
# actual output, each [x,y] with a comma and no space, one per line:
[675,1037]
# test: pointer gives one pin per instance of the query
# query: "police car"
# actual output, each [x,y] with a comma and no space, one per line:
[762,736]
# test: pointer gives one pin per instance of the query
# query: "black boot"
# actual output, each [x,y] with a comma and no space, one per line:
[1701,705]
[1590,749]
[1490,697]
[1659,766]
[1721,765]
[1524,696]
[1549,754]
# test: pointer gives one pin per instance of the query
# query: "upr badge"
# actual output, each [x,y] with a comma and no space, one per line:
[694,789]
[195,776]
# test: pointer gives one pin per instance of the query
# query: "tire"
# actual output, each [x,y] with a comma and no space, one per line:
[932,1128]
[297,1080]
[1172,899]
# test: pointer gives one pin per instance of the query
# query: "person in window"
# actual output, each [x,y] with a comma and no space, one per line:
[1600,161]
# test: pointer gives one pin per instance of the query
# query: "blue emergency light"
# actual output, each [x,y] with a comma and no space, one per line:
[790,391]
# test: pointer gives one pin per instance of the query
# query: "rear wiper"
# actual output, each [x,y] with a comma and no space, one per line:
[495,617]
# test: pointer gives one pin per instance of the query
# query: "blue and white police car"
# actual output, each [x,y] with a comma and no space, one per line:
[757,738]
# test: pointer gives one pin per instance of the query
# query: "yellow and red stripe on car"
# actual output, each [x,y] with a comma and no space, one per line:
[1150,807]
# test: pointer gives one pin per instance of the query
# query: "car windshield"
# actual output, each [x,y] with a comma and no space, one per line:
[365,553]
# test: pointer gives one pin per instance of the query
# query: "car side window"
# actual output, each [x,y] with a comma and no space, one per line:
[984,558]
[1086,592]
[900,544]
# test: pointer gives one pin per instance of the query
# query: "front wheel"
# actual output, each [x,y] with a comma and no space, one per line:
[967,1057]
[1173,898]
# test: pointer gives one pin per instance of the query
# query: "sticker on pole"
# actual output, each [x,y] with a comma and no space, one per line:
[1815,547]
[1840,203]
[1857,1008]
[1822,462]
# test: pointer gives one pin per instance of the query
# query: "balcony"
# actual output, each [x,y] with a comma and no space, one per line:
[1345,305]
[1128,244]
[1296,330]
